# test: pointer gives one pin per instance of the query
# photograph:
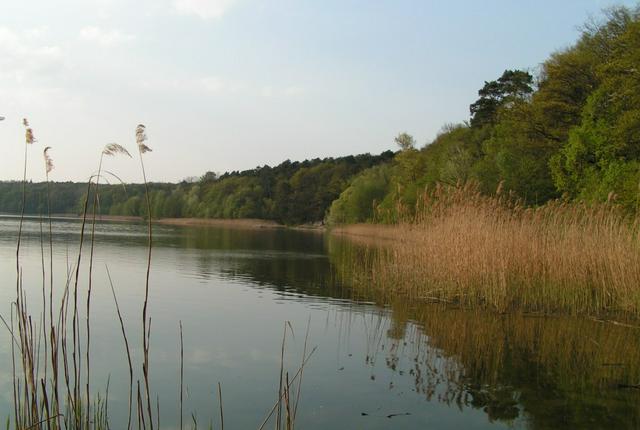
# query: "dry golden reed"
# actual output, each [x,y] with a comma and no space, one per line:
[112,149]
[48,162]
[464,247]
[28,132]
[141,137]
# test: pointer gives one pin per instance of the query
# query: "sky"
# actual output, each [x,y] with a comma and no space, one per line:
[233,84]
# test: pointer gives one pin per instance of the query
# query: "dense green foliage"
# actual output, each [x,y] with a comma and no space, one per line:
[290,193]
[573,133]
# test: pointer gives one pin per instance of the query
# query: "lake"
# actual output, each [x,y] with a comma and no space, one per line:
[376,366]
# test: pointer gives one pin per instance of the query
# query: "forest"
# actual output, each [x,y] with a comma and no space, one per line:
[570,129]
[289,193]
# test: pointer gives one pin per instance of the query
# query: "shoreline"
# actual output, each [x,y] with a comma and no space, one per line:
[368,231]
[197,222]
[219,222]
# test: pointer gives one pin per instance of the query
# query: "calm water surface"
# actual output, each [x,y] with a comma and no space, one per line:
[234,290]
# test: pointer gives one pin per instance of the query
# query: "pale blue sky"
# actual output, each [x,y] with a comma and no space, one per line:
[232,84]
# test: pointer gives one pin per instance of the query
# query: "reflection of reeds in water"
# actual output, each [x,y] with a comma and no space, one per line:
[547,371]
[476,250]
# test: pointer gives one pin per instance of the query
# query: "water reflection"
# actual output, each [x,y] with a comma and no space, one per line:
[552,371]
[390,365]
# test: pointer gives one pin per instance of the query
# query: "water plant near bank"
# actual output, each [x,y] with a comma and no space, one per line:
[460,246]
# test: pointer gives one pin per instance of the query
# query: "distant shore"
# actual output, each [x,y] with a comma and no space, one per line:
[204,222]
[217,222]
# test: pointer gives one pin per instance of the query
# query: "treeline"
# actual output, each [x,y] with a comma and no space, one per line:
[572,131]
[290,193]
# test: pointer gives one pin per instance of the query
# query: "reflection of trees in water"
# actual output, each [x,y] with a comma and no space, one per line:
[550,371]
[281,259]
[407,352]
[276,258]
[553,372]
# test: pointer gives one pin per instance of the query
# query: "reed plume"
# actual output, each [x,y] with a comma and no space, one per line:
[48,162]
[22,327]
[141,138]
[110,149]
[28,132]
[115,149]
[29,140]
[53,333]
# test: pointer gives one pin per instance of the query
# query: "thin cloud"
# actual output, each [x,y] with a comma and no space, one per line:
[105,38]
[205,9]
[204,85]
[23,58]
[267,91]
[293,91]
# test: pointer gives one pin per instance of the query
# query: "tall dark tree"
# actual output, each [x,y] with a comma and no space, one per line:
[511,86]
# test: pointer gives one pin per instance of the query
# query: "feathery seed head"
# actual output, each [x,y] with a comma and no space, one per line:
[141,137]
[28,134]
[48,162]
[114,149]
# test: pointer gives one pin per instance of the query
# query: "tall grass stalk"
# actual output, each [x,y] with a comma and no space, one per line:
[53,339]
[25,354]
[287,386]
[181,376]
[141,138]
[110,149]
[220,403]
[127,349]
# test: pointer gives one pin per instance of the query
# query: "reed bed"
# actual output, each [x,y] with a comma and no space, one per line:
[50,368]
[460,246]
